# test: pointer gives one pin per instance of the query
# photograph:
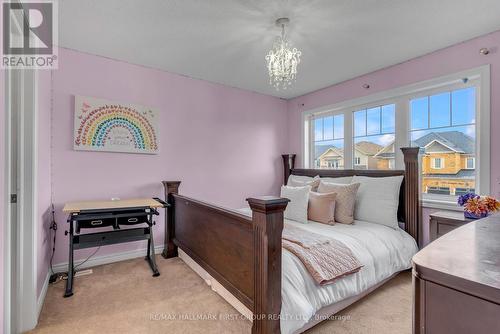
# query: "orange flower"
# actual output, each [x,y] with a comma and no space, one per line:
[491,203]
[476,205]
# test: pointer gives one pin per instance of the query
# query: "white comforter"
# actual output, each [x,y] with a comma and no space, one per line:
[382,250]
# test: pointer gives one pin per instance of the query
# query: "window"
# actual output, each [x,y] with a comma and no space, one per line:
[462,191]
[374,130]
[470,163]
[392,164]
[437,163]
[443,125]
[447,117]
[438,190]
[329,142]
[334,163]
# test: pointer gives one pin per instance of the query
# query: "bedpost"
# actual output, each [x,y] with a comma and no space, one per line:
[288,165]
[412,202]
[267,218]
[170,250]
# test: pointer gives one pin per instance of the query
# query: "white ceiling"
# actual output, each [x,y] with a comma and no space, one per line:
[225,41]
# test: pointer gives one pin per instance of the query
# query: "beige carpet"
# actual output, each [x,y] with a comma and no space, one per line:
[124,298]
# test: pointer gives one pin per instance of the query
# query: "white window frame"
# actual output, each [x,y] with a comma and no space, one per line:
[467,163]
[433,163]
[478,77]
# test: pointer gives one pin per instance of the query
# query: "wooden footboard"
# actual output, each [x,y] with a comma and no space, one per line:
[241,253]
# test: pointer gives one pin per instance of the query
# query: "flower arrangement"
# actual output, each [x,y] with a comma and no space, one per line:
[476,206]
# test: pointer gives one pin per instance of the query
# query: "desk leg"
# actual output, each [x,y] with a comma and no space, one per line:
[151,253]
[69,281]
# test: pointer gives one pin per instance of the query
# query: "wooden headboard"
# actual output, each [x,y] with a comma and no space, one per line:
[409,208]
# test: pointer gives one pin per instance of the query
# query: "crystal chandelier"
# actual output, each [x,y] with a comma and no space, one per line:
[282,60]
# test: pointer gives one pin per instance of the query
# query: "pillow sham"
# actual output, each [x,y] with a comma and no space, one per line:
[322,207]
[313,182]
[337,180]
[378,199]
[344,202]
[298,178]
[299,201]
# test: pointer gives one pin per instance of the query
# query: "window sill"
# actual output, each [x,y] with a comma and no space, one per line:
[441,204]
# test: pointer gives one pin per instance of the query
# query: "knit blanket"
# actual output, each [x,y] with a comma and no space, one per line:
[325,259]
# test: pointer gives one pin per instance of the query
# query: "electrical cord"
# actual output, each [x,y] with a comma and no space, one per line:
[60,276]
[53,226]
[54,278]
[88,258]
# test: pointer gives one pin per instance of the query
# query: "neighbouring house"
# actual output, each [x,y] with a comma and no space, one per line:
[448,162]
[333,157]
[385,157]
[329,157]
[364,155]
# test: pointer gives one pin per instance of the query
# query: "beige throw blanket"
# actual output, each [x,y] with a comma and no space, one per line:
[326,259]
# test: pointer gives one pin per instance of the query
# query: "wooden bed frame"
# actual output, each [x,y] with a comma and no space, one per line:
[244,254]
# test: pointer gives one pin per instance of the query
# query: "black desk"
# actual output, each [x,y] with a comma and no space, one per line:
[115,215]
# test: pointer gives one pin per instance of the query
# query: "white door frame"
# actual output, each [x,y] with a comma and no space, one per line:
[21,239]
[7,231]
[21,221]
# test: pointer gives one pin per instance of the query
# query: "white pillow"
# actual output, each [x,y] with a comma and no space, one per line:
[314,183]
[298,179]
[378,199]
[299,200]
[337,180]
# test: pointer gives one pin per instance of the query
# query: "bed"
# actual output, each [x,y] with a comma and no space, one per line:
[241,251]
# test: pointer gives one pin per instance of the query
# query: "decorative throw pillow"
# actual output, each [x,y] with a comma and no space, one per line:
[299,200]
[337,180]
[322,207]
[344,203]
[297,182]
[378,199]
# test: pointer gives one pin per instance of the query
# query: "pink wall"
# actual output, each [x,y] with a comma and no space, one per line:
[223,143]
[446,61]
[44,176]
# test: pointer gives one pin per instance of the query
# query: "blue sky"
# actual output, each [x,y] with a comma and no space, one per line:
[443,110]
[448,111]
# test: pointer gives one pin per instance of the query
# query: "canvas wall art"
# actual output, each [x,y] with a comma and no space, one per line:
[102,125]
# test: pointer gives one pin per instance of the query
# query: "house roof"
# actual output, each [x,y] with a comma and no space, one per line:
[462,174]
[386,155]
[454,140]
[322,149]
[386,152]
[368,148]
[364,147]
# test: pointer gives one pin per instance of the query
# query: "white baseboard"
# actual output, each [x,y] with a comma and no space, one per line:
[108,258]
[43,293]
